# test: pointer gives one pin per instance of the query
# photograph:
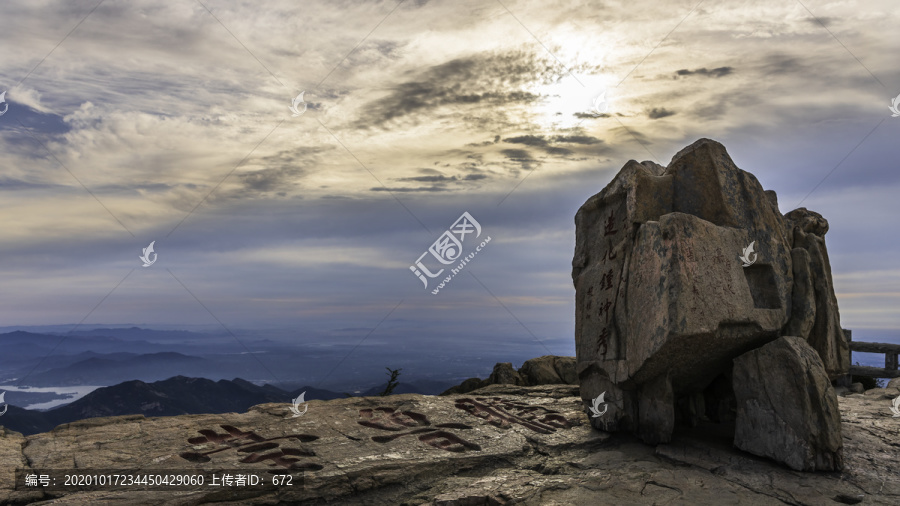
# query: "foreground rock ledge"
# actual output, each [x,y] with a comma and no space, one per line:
[523,445]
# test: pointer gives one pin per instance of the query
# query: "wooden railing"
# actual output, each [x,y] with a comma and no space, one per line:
[891,352]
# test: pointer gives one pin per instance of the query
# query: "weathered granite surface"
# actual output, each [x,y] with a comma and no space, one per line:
[665,300]
[499,445]
[786,407]
[545,370]
[815,315]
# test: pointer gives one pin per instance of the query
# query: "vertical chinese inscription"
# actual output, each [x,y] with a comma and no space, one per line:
[601,280]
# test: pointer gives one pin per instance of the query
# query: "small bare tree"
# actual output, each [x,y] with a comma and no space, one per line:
[392,383]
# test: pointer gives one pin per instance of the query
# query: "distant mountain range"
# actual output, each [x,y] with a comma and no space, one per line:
[179,395]
[139,334]
[110,356]
[57,358]
[104,370]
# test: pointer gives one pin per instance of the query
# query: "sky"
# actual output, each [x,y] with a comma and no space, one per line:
[131,122]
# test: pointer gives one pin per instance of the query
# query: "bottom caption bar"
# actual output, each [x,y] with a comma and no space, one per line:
[72,480]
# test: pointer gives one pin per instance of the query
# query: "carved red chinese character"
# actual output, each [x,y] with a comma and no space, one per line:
[601,341]
[604,308]
[606,280]
[610,225]
[390,419]
[255,445]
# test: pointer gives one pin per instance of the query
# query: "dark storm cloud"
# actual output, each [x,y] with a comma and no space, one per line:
[518,155]
[428,179]
[442,179]
[528,140]
[545,144]
[659,112]
[716,72]
[484,79]
[587,115]
[484,143]
[440,182]
[281,170]
[268,179]
[554,150]
[407,190]
[577,139]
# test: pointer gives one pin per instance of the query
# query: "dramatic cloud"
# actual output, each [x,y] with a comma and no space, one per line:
[155,121]
[659,112]
[717,72]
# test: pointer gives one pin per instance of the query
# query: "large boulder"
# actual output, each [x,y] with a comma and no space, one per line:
[546,370]
[660,287]
[504,374]
[786,407]
[668,291]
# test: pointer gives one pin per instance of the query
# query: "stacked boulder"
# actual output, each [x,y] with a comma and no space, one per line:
[684,276]
[546,370]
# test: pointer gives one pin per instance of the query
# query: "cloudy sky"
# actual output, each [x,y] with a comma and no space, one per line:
[170,121]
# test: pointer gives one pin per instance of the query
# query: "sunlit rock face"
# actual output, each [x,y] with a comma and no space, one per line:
[680,269]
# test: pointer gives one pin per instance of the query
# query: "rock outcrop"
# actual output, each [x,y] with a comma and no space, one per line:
[678,270]
[546,370]
[787,409]
[500,445]
[815,316]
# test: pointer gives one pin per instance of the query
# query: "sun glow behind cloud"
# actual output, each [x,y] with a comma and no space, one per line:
[568,98]
[447,106]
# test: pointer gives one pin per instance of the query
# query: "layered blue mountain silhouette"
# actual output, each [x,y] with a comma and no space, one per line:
[179,395]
